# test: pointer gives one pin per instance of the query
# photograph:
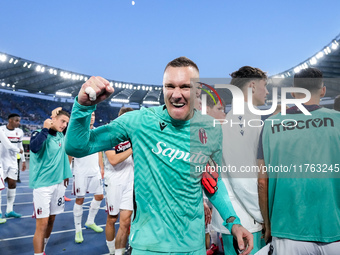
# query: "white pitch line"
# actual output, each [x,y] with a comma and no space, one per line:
[53,233]
[30,216]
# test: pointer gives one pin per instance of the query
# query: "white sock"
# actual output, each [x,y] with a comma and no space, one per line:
[94,207]
[213,236]
[77,215]
[45,242]
[120,251]
[10,199]
[39,253]
[111,246]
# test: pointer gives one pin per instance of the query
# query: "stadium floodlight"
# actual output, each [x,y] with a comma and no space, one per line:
[118,100]
[25,64]
[29,66]
[13,86]
[3,57]
[313,61]
[16,61]
[138,87]
[151,102]
[63,94]
[38,68]
[3,84]
[55,72]
[11,60]
[327,50]
[335,45]
[42,69]
[297,69]
[319,55]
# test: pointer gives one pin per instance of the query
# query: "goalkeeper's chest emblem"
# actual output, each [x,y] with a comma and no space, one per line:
[203,135]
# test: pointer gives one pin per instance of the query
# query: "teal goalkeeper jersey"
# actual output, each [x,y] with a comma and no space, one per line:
[50,165]
[168,157]
[304,190]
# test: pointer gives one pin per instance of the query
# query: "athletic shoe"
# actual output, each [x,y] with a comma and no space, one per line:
[212,250]
[67,199]
[13,214]
[94,227]
[2,221]
[79,237]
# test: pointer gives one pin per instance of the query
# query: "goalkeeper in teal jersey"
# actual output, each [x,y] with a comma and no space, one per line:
[171,143]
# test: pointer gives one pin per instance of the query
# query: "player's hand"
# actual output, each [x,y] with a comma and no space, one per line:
[102,172]
[48,123]
[266,231]
[21,151]
[66,181]
[23,166]
[94,90]
[245,239]
[56,111]
[207,213]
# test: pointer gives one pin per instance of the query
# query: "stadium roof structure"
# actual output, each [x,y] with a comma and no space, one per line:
[25,75]
[28,76]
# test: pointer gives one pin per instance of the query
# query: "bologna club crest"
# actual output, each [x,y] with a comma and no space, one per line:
[203,135]
[110,208]
[39,211]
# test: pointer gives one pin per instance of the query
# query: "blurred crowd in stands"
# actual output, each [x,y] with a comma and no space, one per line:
[35,111]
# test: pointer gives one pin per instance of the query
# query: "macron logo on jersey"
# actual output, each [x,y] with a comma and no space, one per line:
[162,125]
[173,154]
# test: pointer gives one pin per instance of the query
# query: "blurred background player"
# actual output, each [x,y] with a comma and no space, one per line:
[240,144]
[301,208]
[119,193]
[9,161]
[48,176]
[87,178]
[216,110]
[6,143]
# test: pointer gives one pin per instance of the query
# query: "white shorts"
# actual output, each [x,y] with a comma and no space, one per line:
[48,200]
[10,172]
[288,246]
[119,197]
[87,184]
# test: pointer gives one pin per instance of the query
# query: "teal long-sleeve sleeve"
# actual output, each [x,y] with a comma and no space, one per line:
[221,201]
[82,141]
